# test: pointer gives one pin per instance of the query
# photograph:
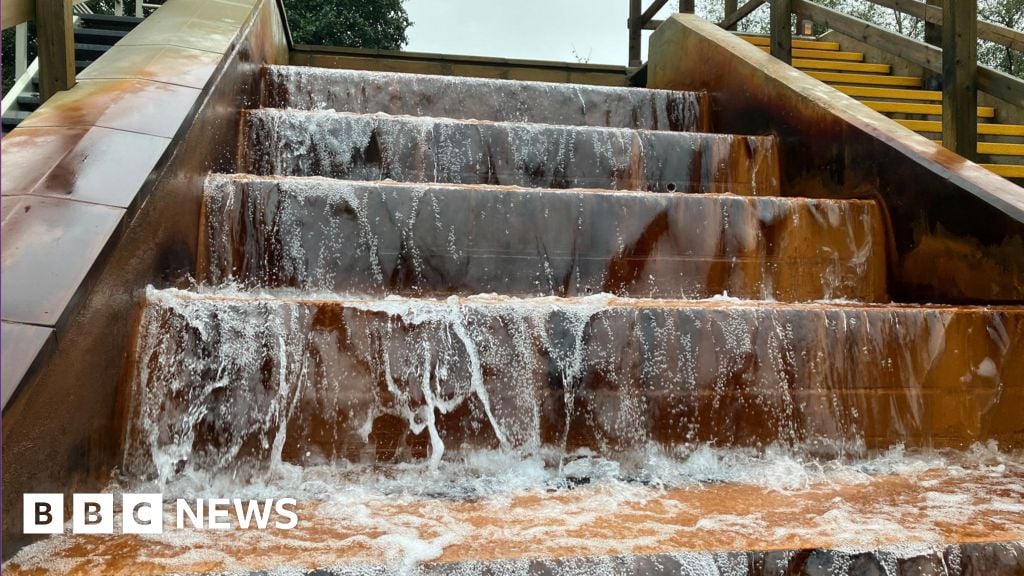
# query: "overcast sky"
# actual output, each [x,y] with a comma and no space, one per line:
[531,29]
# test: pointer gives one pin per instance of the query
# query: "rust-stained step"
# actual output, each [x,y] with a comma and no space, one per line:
[454,97]
[983,129]
[811,64]
[797,43]
[421,149]
[601,373]
[437,240]
[865,79]
[923,109]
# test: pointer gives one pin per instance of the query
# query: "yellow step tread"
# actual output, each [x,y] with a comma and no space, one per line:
[986,129]
[1000,149]
[997,148]
[869,79]
[912,108]
[803,44]
[824,54]
[811,64]
[890,93]
[1006,170]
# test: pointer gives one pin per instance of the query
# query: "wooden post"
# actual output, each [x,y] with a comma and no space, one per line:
[20,49]
[781,24]
[959,77]
[933,36]
[730,7]
[56,46]
[635,32]
[687,6]
[933,32]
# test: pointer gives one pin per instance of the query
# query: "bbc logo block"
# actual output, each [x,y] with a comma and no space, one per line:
[93,514]
[44,514]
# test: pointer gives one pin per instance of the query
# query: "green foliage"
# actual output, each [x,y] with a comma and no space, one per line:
[355,23]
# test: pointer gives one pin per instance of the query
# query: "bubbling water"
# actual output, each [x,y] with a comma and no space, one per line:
[244,382]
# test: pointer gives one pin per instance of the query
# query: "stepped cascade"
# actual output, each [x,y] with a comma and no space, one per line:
[495,327]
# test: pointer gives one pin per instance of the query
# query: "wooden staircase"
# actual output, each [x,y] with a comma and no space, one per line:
[903,98]
[94,34]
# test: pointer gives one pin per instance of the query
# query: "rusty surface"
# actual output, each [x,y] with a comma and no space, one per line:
[79,380]
[957,230]
[131,105]
[49,247]
[483,99]
[89,164]
[671,372]
[168,64]
[22,344]
[436,240]
[424,149]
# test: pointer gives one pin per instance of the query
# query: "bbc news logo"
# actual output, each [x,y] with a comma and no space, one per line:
[144,514]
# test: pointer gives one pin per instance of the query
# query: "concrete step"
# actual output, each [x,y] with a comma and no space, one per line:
[865,79]
[98,36]
[13,118]
[396,379]
[824,54]
[420,149]
[923,109]
[29,101]
[797,43]
[934,126]
[432,240]
[813,64]
[482,99]
[90,52]
[108,22]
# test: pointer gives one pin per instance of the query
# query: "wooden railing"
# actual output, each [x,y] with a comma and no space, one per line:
[955,57]
[54,36]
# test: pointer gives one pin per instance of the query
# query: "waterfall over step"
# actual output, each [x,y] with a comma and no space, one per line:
[493,327]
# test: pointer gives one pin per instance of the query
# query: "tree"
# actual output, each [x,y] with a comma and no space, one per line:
[355,23]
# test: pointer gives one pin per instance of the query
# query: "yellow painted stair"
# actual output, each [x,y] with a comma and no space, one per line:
[983,129]
[923,109]
[876,87]
[824,54]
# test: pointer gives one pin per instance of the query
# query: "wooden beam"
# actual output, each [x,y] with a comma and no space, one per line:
[959,77]
[931,13]
[635,32]
[742,12]
[687,6]
[652,11]
[55,36]
[781,25]
[731,6]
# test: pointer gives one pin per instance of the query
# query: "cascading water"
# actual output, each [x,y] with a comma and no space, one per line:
[489,348]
